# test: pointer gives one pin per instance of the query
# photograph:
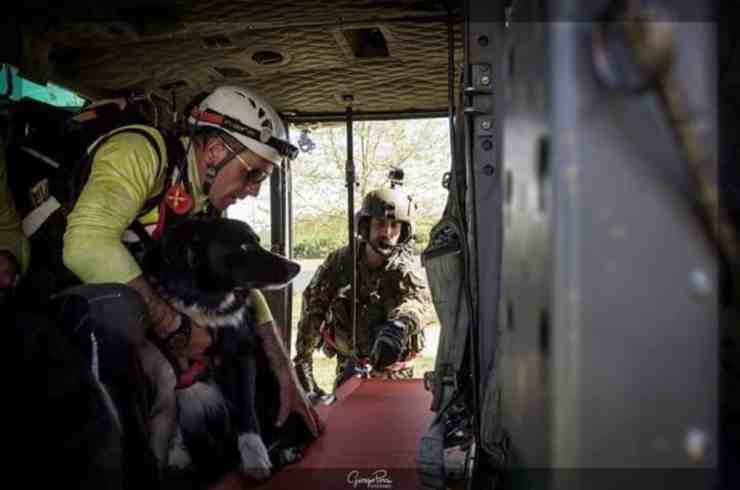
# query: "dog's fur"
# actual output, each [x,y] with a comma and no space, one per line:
[205,268]
[72,430]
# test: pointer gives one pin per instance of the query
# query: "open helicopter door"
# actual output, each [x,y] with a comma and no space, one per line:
[586,242]
[606,340]
[608,347]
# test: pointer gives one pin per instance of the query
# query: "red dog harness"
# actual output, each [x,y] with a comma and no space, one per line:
[192,374]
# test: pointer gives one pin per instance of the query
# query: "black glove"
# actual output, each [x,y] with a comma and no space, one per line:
[304,371]
[388,345]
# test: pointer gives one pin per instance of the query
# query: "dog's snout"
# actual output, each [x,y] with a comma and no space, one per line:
[293,269]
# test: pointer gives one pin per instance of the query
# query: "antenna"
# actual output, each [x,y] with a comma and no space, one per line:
[395,175]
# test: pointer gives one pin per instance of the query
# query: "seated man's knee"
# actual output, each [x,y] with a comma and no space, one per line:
[116,309]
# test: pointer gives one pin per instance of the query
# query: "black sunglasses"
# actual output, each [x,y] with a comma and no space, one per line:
[251,175]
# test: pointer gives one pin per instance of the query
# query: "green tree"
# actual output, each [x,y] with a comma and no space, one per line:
[419,147]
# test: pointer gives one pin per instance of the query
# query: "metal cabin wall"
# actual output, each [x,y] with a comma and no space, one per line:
[279,300]
[484,111]
[524,364]
[608,350]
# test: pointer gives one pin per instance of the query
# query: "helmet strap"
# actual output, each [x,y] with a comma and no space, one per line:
[213,170]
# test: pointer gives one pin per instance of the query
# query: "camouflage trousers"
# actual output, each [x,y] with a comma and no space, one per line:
[346,369]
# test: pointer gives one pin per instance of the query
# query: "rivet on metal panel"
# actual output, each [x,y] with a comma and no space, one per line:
[617,232]
[660,444]
[489,170]
[485,124]
[485,80]
[487,145]
[700,283]
[483,40]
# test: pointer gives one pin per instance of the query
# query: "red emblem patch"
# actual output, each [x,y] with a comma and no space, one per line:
[178,199]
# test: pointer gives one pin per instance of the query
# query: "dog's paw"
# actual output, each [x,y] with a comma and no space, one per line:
[179,456]
[255,460]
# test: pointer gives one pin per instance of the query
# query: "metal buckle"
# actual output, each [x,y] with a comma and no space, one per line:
[429,380]
[444,376]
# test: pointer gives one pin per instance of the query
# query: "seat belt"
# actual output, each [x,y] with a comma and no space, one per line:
[445,265]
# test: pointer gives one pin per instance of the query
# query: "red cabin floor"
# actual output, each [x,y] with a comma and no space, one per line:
[371,441]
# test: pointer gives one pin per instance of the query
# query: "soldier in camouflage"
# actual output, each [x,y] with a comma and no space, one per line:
[392,299]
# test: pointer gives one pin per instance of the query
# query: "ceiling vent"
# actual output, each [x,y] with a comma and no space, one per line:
[366,43]
[217,42]
[267,57]
[230,72]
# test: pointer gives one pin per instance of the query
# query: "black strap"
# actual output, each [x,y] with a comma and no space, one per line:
[175,159]
[84,167]
[146,239]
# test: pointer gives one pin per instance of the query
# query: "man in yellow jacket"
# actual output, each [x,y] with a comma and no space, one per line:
[14,248]
[236,139]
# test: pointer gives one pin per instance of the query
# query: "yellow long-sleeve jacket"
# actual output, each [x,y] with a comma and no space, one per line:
[125,173]
[12,238]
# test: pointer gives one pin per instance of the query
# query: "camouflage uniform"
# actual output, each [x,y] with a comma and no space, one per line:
[392,292]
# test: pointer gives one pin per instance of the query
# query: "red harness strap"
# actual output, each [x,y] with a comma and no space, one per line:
[159,229]
[327,333]
[192,374]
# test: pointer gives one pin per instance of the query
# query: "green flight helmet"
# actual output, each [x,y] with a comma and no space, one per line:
[387,203]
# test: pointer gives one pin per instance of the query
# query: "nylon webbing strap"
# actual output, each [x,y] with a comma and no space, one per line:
[444,265]
[82,172]
[431,465]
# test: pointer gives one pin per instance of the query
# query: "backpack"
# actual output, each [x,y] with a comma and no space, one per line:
[50,153]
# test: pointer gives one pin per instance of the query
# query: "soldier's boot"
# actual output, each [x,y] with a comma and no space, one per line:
[305,377]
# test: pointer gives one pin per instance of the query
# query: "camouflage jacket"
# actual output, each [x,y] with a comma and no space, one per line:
[392,292]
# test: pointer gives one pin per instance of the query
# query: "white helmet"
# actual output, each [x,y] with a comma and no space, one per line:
[247,117]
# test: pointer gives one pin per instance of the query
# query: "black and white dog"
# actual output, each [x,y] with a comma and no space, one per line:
[206,269]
